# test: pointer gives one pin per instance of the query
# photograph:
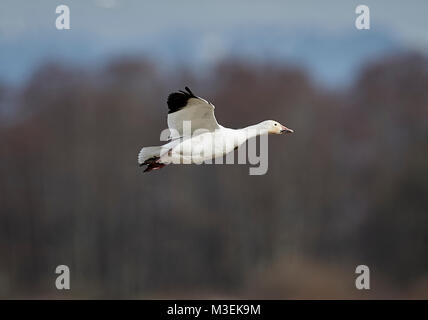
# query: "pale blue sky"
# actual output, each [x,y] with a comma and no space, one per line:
[407,19]
[283,28]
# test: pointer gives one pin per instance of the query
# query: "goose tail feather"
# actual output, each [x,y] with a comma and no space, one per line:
[150,156]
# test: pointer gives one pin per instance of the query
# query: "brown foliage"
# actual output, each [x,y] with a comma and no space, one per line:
[348,186]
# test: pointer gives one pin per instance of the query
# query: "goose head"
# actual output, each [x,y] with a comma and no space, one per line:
[274,127]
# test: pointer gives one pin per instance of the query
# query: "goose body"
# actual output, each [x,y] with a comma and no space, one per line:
[195,135]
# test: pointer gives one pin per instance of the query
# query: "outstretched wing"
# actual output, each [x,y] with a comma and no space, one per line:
[185,106]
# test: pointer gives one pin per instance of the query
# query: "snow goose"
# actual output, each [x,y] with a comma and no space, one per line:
[196,136]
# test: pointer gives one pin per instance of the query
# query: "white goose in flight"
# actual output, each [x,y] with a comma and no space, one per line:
[196,136]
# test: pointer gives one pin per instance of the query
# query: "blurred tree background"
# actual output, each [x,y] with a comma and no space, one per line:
[348,188]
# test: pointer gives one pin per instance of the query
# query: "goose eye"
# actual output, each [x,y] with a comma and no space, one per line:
[275,124]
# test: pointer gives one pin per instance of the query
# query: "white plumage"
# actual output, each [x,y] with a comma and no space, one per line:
[197,110]
[196,136]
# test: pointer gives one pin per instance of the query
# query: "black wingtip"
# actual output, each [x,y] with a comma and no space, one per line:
[189,91]
[178,100]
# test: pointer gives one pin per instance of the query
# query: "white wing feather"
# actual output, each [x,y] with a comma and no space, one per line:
[199,113]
